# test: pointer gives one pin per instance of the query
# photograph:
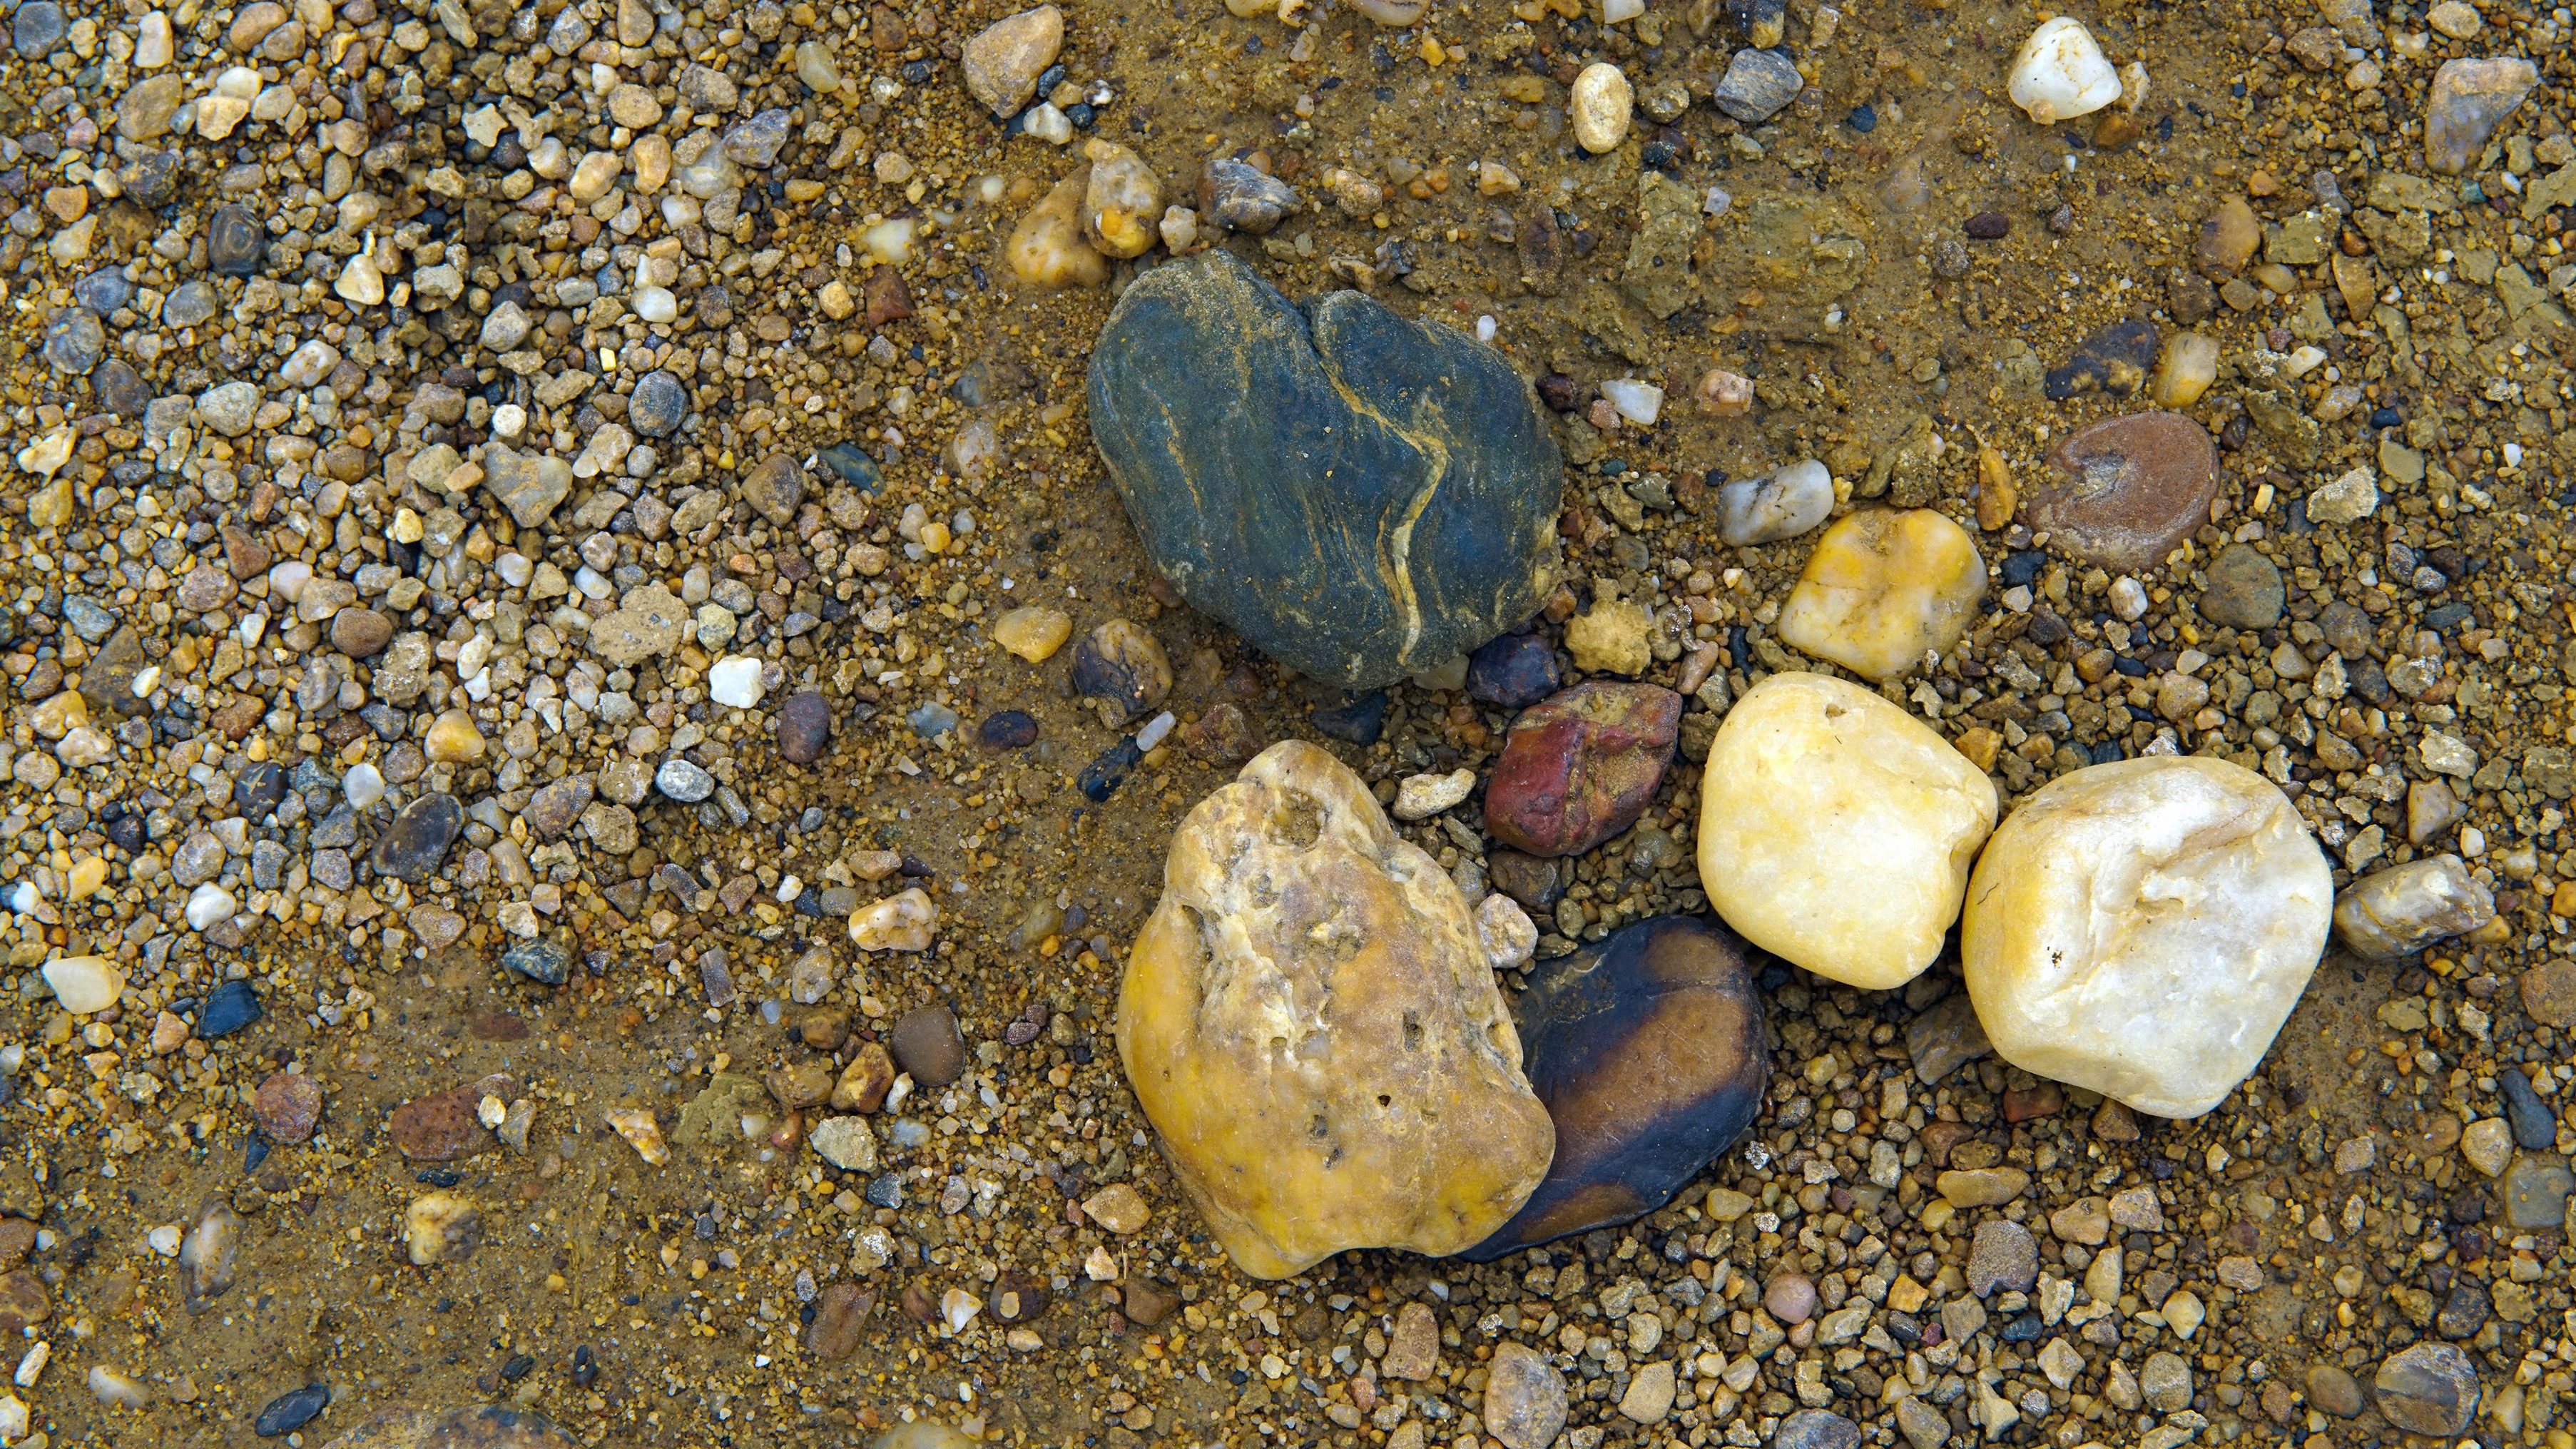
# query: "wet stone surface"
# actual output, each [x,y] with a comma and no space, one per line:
[2128,490]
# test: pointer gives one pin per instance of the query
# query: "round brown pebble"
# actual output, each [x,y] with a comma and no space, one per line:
[804,728]
[1989,226]
[1010,730]
[926,1044]
[2130,490]
[361,633]
[286,1106]
[2245,590]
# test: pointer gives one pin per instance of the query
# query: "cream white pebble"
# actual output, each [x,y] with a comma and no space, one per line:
[2061,73]
[1600,104]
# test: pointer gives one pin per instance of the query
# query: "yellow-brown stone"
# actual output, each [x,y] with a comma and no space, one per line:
[1309,1023]
[1883,590]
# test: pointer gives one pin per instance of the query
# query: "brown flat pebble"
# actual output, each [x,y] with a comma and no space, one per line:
[286,1106]
[441,1127]
[2129,490]
[926,1044]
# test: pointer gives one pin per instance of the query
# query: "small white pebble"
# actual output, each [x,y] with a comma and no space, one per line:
[1485,328]
[509,420]
[789,887]
[734,681]
[1639,402]
[656,305]
[364,785]
[2128,599]
[210,905]
[165,1240]
[32,1366]
[1154,731]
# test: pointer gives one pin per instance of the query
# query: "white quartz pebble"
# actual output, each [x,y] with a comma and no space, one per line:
[364,785]
[209,905]
[84,984]
[1600,103]
[734,680]
[1783,505]
[2061,73]
[1639,402]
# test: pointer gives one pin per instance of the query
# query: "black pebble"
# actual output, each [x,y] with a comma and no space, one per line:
[2106,752]
[1010,730]
[585,1366]
[1514,672]
[438,1177]
[1557,391]
[254,1152]
[2535,1127]
[517,1368]
[917,71]
[2025,1329]
[2022,567]
[1102,777]
[228,1009]
[1989,226]
[2387,418]
[291,1411]
[1864,119]
[1359,721]
[260,788]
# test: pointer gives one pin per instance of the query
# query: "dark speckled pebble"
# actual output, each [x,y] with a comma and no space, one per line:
[2114,359]
[1646,1048]
[259,789]
[228,1008]
[2535,1127]
[541,961]
[846,463]
[411,847]
[1009,730]
[291,1411]
[1514,671]
[804,727]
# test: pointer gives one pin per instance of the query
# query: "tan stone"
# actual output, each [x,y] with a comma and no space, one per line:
[1309,1022]
[2143,928]
[1836,830]
[1046,249]
[1034,633]
[1884,589]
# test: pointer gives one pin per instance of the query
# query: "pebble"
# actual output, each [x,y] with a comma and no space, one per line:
[1278,533]
[2244,589]
[804,728]
[2129,490]
[1122,202]
[2536,1190]
[684,781]
[926,1043]
[210,1255]
[1757,84]
[1008,729]
[1611,637]
[2469,98]
[2184,862]
[2405,908]
[291,1411]
[1294,841]
[1779,505]
[74,341]
[2060,73]
[2189,366]
[2487,1145]
[1647,1050]
[1525,1398]
[1975,1187]
[1599,104]
[2002,1257]
[236,240]
[642,1132]
[1046,248]
[905,922]
[1118,1208]
[1581,766]
[1001,63]
[1884,589]
[1815,786]
[286,1107]
[2348,499]
[2429,1389]
[2333,1391]
[2228,238]
[1420,797]
[84,985]
[1816,1429]
[735,681]
[416,842]
[775,488]
[846,1143]
[1790,1297]
[1033,633]
[210,905]
[2535,1127]
[37,30]
[540,961]
[1514,671]
[1506,931]
[227,1009]
[1123,666]
[657,406]
[1945,1038]
[1245,198]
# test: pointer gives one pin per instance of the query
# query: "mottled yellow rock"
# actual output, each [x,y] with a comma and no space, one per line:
[1310,1024]
[1047,250]
[1033,633]
[1122,201]
[1883,589]
[2143,928]
[1836,830]
[1612,638]
[453,739]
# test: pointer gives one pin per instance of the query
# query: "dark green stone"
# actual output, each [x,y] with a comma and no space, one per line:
[1646,1048]
[1359,495]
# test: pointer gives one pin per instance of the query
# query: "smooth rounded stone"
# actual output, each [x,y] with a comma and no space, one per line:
[145,111]
[2142,929]
[1420,797]
[1034,633]
[286,1107]
[37,30]
[775,487]
[1362,497]
[2468,100]
[2333,1391]
[1646,1048]
[1836,830]
[2536,1190]
[236,239]
[1010,729]
[2061,73]
[2405,908]
[1046,248]
[2189,366]
[658,404]
[417,840]
[926,1043]
[1777,506]
[2002,1256]
[684,781]
[1122,665]
[103,291]
[544,962]
[2244,589]
[1581,766]
[291,1411]
[1244,197]
[1883,590]
[530,485]
[120,389]
[1525,1399]
[1756,85]
[361,633]
[74,341]
[2229,237]
[2535,1126]
[2429,1389]
[1790,1298]
[1514,671]
[1002,61]
[1599,104]
[2129,490]
[483,1426]
[227,1009]
[1397,1118]
[804,727]
[85,984]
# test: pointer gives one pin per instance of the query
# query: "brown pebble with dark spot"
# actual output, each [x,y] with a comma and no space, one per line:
[889,300]
[286,1106]
[2129,490]
[926,1043]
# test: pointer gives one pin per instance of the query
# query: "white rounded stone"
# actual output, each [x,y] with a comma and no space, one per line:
[1781,505]
[2143,928]
[84,984]
[209,905]
[1836,830]
[2061,73]
[735,681]
[364,785]
[1599,105]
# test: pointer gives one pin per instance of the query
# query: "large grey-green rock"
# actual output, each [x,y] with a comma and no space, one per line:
[1360,496]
